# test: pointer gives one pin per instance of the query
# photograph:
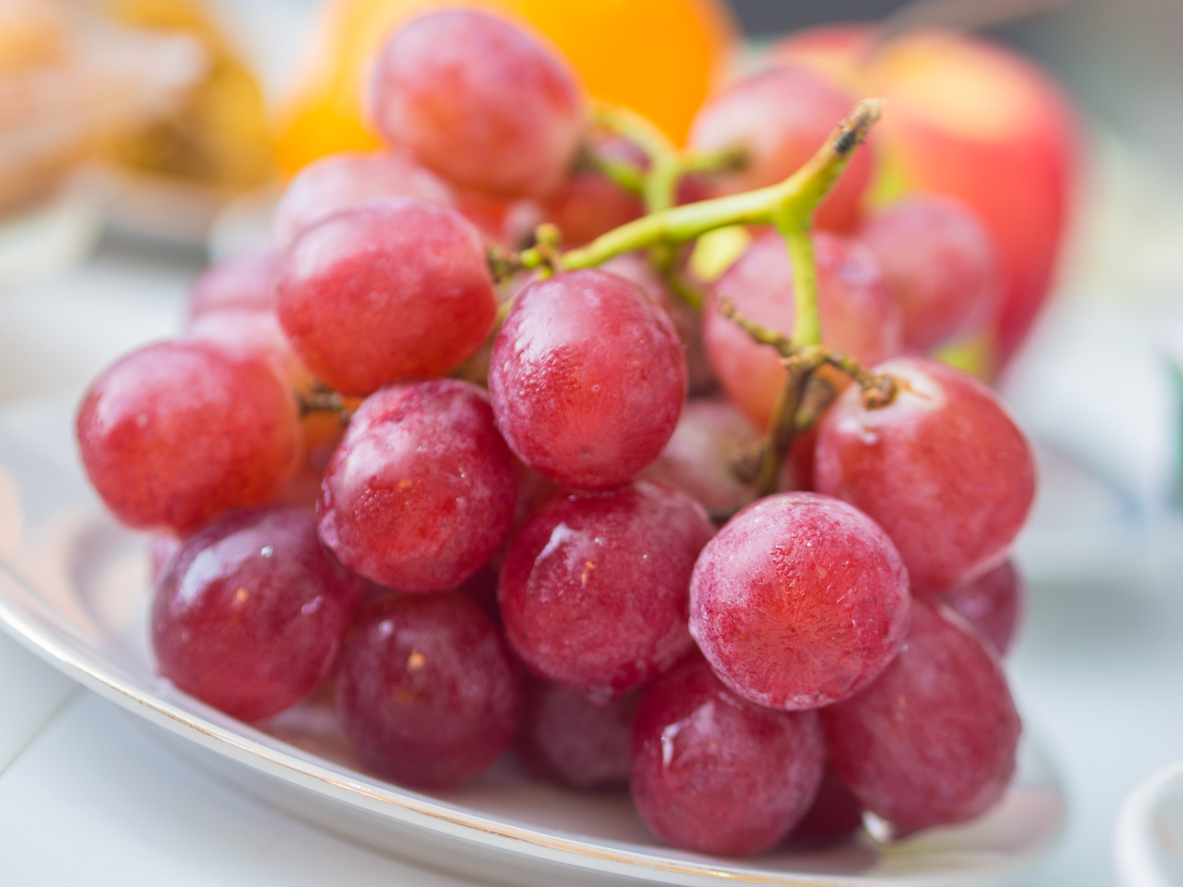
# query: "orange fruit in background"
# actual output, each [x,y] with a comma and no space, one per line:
[659,57]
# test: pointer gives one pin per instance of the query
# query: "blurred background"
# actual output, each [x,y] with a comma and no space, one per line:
[139,139]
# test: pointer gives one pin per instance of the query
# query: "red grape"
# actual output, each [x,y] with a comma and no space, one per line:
[858,315]
[252,610]
[687,321]
[933,740]
[799,601]
[177,432]
[238,283]
[161,552]
[943,469]
[714,773]
[700,457]
[339,181]
[593,588]
[587,379]
[385,290]
[941,263]
[993,604]
[427,692]
[479,101]
[566,737]
[781,117]
[836,813]
[420,492]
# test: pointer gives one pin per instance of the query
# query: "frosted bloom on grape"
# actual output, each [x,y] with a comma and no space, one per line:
[479,101]
[943,469]
[801,600]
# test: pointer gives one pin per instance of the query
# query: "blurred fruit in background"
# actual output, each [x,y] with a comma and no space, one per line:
[218,137]
[970,118]
[659,57]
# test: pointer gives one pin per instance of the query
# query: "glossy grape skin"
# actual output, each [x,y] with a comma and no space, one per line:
[567,738]
[338,181]
[420,492]
[593,587]
[994,604]
[713,773]
[781,117]
[177,432]
[236,283]
[587,379]
[700,457]
[859,316]
[251,611]
[384,290]
[943,469]
[799,601]
[834,815]
[942,265]
[933,740]
[479,101]
[426,691]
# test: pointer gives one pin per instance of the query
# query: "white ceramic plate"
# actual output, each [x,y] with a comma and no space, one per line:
[1148,837]
[73,588]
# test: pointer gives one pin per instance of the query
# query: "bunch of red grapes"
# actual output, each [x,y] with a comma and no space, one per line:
[525,535]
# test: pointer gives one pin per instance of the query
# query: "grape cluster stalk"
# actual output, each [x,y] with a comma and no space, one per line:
[482,448]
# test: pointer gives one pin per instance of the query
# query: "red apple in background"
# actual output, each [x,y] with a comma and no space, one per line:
[971,118]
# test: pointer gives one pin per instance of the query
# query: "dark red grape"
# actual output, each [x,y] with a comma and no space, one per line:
[427,692]
[943,469]
[712,772]
[338,181]
[994,604]
[420,492]
[801,600]
[252,610]
[835,814]
[933,740]
[237,283]
[568,738]
[479,101]
[593,587]
[177,432]
[858,314]
[700,459]
[587,379]
[941,262]
[781,117]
